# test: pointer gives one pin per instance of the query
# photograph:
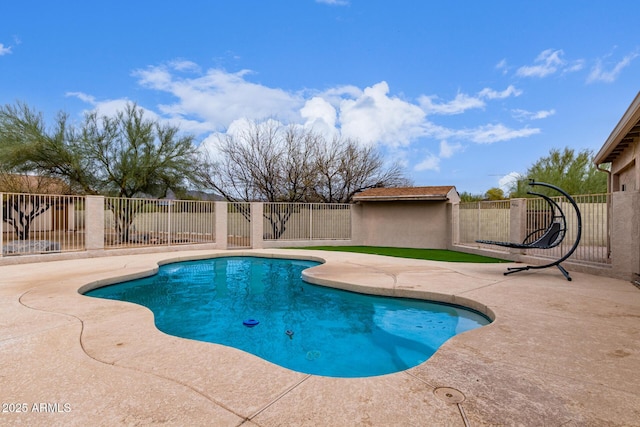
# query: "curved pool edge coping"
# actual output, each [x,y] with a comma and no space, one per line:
[450,299]
[308,276]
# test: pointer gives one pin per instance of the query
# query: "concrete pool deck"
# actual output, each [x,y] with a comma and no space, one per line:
[558,353]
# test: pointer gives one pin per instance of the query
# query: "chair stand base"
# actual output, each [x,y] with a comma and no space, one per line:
[512,270]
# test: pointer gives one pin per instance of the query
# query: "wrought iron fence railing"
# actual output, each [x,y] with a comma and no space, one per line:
[306,221]
[238,225]
[492,221]
[41,223]
[487,220]
[132,222]
[594,243]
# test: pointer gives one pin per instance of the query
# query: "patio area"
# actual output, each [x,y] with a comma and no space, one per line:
[558,352]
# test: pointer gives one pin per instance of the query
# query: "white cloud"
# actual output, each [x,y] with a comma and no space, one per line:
[218,97]
[431,162]
[213,102]
[503,66]
[375,117]
[184,65]
[458,105]
[574,66]
[463,102]
[599,74]
[519,114]
[318,109]
[89,99]
[340,91]
[547,62]
[489,134]
[4,50]
[507,182]
[448,150]
[321,116]
[493,94]
[109,107]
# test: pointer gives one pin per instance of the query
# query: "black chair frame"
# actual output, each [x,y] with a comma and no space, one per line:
[548,237]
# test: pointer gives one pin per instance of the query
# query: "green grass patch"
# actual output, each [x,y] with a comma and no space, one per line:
[427,254]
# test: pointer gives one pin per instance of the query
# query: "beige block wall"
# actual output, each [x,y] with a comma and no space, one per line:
[625,234]
[402,224]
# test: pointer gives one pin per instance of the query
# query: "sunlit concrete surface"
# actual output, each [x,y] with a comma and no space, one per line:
[558,352]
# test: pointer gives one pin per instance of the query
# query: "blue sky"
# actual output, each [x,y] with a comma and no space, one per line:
[461,93]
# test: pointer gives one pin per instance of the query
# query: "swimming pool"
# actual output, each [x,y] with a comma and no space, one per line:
[262,306]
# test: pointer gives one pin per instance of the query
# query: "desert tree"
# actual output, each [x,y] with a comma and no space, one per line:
[575,173]
[344,168]
[263,162]
[494,193]
[25,196]
[266,161]
[466,196]
[126,155]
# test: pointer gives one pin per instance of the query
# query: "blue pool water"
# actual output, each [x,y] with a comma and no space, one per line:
[300,326]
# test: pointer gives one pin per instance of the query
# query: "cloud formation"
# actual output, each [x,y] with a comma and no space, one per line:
[488,134]
[493,94]
[521,115]
[599,74]
[217,97]
[549,62]
[212,102]
[463,102]
[320,115]
[430,163]
[375,117]
[503,66]
[448,150]
[4,50]
[508,182]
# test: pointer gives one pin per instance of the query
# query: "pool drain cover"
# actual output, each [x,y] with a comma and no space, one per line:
[449,395]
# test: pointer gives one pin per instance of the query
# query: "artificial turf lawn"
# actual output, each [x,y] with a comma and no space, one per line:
[428,254]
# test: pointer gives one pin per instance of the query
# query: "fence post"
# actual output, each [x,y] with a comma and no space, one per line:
[94,223]
[221,215]
[479,220]
[1,225]
[453,210]
[257,226]
[357,225]
[517,222]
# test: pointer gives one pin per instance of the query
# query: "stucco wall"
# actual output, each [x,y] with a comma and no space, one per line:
[625,233]
[402,224]
[625,169]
